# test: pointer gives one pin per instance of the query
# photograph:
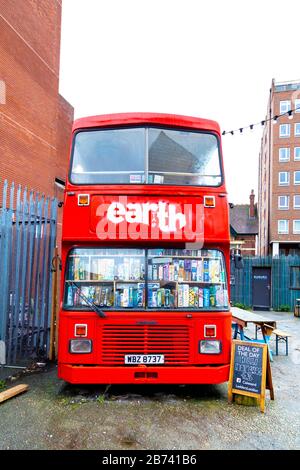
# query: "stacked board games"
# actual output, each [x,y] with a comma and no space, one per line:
[176,269]
[100,295]
[130,295]
[197,278]
[174,278]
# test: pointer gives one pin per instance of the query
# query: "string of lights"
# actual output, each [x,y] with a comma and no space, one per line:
[274,118]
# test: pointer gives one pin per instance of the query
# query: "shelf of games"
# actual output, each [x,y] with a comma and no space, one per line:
[153,278]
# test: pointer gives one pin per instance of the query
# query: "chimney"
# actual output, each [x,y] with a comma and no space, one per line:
[252,207]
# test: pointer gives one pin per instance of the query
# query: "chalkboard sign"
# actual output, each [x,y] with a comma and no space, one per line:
[248,368]
[250,371]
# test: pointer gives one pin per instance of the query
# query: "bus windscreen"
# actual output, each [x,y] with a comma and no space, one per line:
[146,155]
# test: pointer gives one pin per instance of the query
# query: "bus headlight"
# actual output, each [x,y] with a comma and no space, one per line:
[80,346]
[210,346]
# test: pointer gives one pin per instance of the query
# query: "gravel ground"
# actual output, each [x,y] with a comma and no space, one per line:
[53,415]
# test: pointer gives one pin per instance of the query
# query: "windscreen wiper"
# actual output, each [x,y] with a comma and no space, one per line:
[91,304]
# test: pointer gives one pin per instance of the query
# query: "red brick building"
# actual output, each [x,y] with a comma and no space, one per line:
[279,173]
[35,121]
[244,227]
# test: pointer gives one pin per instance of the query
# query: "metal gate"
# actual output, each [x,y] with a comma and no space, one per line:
[27,244]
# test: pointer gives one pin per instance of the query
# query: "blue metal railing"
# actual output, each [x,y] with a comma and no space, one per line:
[28,225]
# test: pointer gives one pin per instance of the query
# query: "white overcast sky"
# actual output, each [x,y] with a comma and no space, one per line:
[207,58]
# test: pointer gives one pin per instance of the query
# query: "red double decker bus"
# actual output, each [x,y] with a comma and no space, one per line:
[145,253]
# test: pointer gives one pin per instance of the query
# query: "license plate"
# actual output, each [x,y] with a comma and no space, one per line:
[144,359]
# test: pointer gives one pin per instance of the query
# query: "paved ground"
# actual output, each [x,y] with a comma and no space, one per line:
[52,415]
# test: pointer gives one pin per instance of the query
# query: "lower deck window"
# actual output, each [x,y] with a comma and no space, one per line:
[152,278]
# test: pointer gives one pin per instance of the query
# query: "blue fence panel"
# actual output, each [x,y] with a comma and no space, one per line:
[284,293]
[4,275]
[28,225]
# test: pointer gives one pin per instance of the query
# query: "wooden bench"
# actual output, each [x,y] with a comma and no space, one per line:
[282,337]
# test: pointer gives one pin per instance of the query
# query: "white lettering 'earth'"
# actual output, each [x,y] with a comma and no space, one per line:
[163,215]
[155,220]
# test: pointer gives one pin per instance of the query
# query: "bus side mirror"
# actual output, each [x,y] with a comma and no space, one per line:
[237,258]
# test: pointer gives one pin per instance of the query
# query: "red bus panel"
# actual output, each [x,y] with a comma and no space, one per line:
[193,343]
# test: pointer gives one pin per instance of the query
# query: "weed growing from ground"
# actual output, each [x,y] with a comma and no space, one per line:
[2,385]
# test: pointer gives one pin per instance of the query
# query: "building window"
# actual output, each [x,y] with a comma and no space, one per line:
[296,226]
[283,226]
[297,129]
[284,178]
[297,153]
[297,201]
[296,177]
[295,277]
[284,130]
[297,106]
[284,154]
[285,106]
[283,202]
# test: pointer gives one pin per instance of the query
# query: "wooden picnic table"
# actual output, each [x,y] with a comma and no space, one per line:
[241,318]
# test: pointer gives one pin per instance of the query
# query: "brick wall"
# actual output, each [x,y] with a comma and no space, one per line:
[290,166]
[269,168]
[35,122]
[247,245]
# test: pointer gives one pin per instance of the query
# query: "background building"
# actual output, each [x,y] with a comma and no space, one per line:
[279,173]
[244,227]
[35,121]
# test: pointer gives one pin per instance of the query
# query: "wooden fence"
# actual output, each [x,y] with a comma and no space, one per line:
[285,280]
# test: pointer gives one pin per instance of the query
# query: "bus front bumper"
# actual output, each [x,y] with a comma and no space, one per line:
[143,374]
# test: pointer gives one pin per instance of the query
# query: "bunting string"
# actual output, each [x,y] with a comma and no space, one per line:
[274,118]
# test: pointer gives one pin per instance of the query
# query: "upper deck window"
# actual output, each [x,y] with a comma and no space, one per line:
[146,156]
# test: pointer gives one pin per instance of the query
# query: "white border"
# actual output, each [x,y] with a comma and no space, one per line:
[86,328]
[210,326]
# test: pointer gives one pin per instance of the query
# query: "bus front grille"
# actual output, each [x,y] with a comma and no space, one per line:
[170,340]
